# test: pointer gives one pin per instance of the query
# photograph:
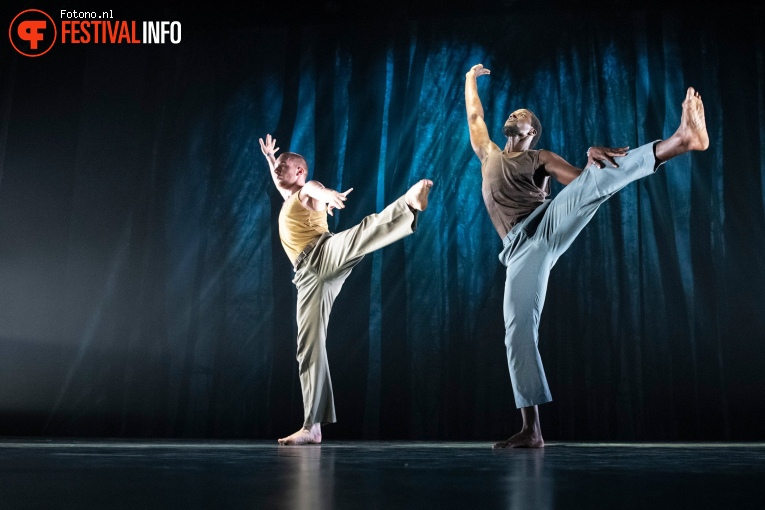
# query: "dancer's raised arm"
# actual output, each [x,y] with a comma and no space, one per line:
[269,149]
[479,134]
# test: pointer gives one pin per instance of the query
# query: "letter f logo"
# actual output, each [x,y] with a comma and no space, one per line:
[30,31]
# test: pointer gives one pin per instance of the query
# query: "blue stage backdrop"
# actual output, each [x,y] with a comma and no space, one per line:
[144,291]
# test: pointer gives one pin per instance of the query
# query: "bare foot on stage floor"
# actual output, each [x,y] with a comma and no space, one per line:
[417,196]
[522,440]
[305,435]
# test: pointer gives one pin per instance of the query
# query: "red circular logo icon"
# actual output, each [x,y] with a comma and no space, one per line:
[32,33]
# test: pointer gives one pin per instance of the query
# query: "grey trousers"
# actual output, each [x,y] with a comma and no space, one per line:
[532,248]
[318,280]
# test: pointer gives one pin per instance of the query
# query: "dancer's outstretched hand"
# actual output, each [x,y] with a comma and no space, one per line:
[336,199]
[478,70]
[268,147]
[602,155]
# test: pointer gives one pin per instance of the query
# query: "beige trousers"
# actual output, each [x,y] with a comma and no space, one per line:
[319,279]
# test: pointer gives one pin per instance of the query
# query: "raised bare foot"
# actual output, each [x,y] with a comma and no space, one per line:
[693,127]
[305,435]
[417,196]
[522,439]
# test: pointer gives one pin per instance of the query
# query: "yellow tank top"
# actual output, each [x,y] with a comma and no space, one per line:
[299,226]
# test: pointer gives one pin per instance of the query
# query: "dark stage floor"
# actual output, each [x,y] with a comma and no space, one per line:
[79,474]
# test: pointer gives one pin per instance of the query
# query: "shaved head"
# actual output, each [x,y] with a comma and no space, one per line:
[295,159]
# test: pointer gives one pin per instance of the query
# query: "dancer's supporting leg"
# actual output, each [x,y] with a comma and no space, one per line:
[319,280]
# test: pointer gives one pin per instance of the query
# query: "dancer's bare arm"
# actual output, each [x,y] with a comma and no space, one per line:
[479,134]
[269,149]
[324,197]
[564,172]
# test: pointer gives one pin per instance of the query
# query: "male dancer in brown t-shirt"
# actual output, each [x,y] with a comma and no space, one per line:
[535,231]
[322,261]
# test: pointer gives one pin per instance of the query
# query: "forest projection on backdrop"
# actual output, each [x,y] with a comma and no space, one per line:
[144,291]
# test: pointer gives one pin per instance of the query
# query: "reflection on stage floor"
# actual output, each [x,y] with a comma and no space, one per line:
[79,474]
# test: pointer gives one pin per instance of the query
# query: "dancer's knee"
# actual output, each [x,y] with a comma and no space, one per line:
[519,339]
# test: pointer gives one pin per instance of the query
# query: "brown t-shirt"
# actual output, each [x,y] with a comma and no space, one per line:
[299,226]
[510,190]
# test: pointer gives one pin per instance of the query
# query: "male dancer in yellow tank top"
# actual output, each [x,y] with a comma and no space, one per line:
[535,230]
[322,261]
